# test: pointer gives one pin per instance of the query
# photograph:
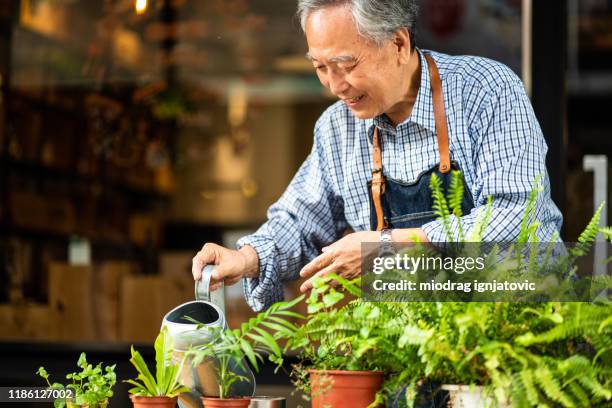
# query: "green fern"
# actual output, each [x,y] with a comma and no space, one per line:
[455,198]
[607,233]
[531,354]
[440,206]
[482,220]
[586,239]
[527,228]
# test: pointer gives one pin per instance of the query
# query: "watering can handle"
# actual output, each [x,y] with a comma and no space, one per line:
[202,286]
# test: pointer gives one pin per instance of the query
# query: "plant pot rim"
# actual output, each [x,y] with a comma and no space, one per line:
[158,398]
[346,372]
[224,399]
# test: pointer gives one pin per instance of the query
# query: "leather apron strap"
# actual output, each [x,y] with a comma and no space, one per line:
[378,179]
[439,114]
[378,182]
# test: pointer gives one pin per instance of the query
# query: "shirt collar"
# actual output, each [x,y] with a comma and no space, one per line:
[422,111]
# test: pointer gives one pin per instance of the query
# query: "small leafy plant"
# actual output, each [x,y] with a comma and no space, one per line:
[344,332]
[166,381]
[92,386]
[251,340]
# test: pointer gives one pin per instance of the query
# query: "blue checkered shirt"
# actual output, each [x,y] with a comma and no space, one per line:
[493,134]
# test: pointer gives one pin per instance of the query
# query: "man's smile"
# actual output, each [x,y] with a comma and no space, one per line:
[353,101]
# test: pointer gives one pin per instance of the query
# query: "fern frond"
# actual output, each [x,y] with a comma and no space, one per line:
[607,233]
[531,391]
[528,214]
[482,221]
[586,239]
[440,206]
[550,385]
[455,198]
[579,394]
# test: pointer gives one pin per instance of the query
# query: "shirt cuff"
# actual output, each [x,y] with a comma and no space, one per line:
[266,289]
[436,234]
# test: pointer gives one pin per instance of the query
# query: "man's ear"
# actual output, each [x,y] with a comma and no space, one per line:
[401,44]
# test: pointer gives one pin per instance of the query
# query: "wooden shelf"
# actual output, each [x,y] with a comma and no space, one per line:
[48,172]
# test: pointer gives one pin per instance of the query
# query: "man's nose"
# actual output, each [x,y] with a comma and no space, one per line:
[337,84]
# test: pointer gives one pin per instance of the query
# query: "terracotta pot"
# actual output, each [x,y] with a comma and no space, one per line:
[153,402]
[337,388]
[215,402]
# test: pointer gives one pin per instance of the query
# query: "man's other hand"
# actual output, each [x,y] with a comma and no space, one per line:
[343,258]
[230,265]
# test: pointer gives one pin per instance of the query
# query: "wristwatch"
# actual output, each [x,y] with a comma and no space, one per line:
[385,235]
[386,243]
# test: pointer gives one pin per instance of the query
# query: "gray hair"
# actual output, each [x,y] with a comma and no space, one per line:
[376,20]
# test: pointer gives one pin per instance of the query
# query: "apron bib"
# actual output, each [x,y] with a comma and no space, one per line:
[397,204]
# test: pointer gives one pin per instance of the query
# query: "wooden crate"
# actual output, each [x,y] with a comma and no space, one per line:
[106,297]
[144,302]
[26,322]
[70,300]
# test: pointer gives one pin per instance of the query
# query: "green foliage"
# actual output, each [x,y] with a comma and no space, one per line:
[91,386]
[482,220]
[587,237]
[440,205]
[251,340]
[343,332]
[528,229]
[166,381]
[532,354]
[527,354]
[607,233]
[455,198]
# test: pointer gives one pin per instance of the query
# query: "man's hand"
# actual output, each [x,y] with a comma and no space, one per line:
[343,257]
[231,265]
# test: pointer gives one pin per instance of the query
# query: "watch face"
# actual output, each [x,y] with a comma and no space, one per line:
[385,235]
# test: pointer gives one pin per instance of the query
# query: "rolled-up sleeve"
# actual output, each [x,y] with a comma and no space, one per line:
[509,155]
[308,216]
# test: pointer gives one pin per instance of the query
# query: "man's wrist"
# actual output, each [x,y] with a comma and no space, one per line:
[409,235]
[251,259]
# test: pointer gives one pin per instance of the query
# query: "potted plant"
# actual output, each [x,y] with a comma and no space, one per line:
[347,346]
[163,389]
[90,388]
[485,353]
[516,354]
[229,347]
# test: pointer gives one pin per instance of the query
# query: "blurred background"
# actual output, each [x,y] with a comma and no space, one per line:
[133,131]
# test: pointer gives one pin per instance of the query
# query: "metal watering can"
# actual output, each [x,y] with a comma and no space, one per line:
[209,309]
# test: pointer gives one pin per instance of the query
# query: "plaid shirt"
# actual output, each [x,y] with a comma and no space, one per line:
[493,134]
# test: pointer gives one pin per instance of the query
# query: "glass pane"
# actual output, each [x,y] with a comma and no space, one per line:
[487,28]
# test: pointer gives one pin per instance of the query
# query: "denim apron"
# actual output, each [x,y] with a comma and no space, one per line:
[398,204]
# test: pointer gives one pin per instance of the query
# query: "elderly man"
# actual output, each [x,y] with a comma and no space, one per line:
[404,114]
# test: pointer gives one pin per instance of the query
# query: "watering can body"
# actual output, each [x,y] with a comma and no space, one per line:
[209,310]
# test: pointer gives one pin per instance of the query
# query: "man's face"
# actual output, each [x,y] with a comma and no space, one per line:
[371,80]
